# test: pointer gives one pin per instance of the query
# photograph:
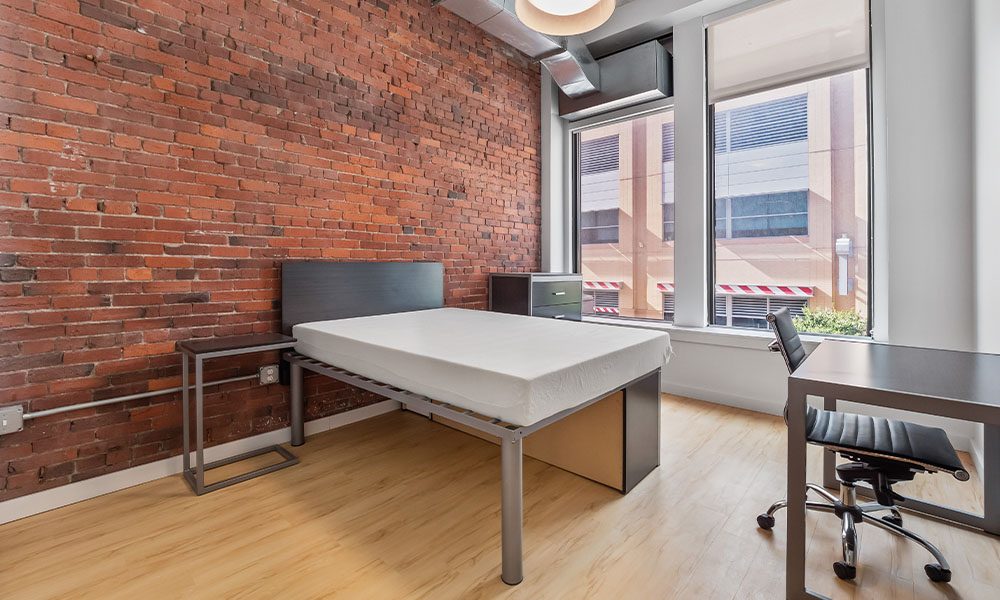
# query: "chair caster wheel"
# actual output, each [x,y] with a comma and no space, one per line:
[844,570]
[897,521]
[765,522]
[937,573]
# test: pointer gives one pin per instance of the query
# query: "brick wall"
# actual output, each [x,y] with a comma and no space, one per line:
[160,158]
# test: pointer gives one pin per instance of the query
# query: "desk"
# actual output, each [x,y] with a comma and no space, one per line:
[961,385]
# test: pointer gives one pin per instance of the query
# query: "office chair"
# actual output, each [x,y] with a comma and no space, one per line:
[882,452]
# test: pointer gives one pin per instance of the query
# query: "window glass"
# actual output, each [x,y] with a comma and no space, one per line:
[599,226]
[791,205]
[625,192]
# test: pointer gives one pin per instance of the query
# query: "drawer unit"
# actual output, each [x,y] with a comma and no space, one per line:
[558,311]
[552,295]
[544,293]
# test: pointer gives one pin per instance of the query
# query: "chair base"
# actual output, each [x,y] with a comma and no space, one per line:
[851,513]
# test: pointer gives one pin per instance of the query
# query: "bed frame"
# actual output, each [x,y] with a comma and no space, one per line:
[319,290]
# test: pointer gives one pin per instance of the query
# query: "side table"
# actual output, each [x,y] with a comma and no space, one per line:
[202,350]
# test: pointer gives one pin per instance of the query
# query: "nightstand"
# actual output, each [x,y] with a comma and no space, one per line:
[552,295]
[202,350]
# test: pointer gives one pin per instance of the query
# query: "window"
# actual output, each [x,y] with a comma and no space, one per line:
[788,94]
[606,302]
[667,151]
[751,311]
[599,226]
[625,194]
[599,190]
[668,306]
[763,215]
[762,169]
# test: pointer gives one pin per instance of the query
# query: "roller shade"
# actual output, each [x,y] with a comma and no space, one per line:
[784,42]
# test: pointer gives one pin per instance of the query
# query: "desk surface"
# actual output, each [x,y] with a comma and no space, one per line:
[235,343]
[967,377]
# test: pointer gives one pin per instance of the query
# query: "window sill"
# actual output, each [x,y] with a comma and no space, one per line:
[712,336]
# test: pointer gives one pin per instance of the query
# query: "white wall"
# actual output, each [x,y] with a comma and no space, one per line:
[929,173]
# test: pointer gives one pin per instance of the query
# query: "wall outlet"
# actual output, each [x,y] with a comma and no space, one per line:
[268,374]
[11,419]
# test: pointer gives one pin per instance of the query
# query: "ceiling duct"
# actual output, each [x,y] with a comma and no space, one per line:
[630,77]
[567,59]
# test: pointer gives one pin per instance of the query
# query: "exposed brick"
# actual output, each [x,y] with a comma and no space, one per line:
[17,274]
[156,181]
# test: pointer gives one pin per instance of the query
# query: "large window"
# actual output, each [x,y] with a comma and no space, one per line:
[787,217]
[626,226]
[788,92]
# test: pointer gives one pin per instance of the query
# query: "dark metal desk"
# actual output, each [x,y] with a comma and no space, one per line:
[961,385]
[200,351]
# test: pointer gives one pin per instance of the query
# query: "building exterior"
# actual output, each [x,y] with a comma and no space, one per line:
[791,189]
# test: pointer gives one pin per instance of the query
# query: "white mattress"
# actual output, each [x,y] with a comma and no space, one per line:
[516,368]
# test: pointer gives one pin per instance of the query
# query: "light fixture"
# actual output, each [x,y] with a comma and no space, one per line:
[564,17]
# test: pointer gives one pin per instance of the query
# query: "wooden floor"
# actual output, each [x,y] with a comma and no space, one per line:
[400,507]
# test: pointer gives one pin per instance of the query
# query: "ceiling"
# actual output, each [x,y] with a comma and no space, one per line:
[637,21]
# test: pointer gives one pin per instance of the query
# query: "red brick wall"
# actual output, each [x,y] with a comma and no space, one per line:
[160,158]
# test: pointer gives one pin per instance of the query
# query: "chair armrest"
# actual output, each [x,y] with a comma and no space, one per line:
[774,347]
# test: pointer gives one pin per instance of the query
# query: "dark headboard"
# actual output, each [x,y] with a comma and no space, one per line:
[315,290]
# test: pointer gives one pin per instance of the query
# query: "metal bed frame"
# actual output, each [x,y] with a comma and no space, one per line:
[316,290]
[511,497]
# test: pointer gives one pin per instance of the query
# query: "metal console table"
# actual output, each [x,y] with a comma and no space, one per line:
[200,351]
[961,385]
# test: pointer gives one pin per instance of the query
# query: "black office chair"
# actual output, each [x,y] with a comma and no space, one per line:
[882,451]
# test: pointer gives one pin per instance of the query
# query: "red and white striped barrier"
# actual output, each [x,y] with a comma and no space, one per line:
[797,291]
[765,290]
[611,310]
[602,285]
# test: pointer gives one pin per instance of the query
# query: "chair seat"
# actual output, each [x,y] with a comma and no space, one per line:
[901,440]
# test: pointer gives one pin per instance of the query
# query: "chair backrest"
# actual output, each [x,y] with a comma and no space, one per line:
[787,338]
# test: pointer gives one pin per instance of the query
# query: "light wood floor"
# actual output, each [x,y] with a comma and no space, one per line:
[400,507]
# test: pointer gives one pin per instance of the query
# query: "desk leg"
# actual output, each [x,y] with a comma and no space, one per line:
[199,426]
[991,478]
[795,548]
[511,511]
[185,411]
[642,430]
[297,418]
[829,456]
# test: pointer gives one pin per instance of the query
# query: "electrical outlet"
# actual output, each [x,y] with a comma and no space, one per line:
[268,374]
[11,419]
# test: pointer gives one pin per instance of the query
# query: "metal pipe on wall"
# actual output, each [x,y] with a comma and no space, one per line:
[128,398]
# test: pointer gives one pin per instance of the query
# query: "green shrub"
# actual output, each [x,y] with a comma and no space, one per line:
[826,320]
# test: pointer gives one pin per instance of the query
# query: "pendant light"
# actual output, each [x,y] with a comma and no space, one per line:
[564,17]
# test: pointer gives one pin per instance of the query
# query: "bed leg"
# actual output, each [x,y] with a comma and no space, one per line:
[511,510]
[298,407]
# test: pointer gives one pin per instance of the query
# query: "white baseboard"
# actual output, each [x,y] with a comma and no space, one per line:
[753,404]
[46,500]
[959,437]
